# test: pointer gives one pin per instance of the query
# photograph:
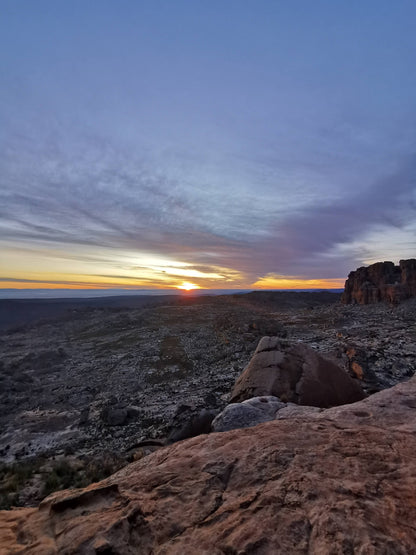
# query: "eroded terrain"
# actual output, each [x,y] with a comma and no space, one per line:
[86,392]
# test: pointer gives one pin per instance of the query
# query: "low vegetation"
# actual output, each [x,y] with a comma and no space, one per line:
[39,477]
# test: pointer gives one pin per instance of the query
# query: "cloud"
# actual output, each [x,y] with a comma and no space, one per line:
[101,197]
[95,202]
[305,244]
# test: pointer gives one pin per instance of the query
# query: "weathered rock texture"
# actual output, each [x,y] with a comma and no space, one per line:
[295,373]
[382,281]
[137,360]
[256,411]
[248,413]
[338,481]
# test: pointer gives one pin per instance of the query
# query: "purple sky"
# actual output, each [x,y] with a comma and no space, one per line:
[221,143]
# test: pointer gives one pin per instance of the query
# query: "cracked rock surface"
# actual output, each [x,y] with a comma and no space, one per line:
[337,481]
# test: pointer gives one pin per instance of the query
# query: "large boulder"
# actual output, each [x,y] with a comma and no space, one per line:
[382,281]
[337,481]
[295,373]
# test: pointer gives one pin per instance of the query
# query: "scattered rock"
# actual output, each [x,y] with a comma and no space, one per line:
[83,417]
[295,373]
[265,326]
[211,400]
[114,416]
[360,364]
[133,412]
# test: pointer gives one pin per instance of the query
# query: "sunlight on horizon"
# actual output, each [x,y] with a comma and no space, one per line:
[187,286]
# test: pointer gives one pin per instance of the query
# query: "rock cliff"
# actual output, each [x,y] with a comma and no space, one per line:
[336,481]
[382,281]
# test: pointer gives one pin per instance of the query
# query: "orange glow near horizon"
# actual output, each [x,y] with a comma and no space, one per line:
[107,269]
[289,282]
[126,272]
[262,283]
[187,286]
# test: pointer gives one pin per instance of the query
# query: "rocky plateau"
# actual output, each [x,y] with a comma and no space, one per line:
[87,391]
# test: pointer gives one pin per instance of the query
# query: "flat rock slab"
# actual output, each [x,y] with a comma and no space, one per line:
[337,481]
[295,373]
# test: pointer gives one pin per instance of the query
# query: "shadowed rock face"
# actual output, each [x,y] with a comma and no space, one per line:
[296,373]
[338,481]
[382,281]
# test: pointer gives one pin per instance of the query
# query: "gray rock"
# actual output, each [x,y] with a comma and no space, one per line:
[248,413]
[114,417]
[83,417]
[133,411]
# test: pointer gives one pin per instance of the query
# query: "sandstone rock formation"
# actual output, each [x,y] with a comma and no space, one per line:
[295,373]
[338,481]
[382,281]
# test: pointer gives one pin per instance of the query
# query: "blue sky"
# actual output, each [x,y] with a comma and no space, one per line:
[224,143]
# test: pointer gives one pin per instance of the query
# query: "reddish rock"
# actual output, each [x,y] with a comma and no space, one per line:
[382,281]
[295,373]
[338,481]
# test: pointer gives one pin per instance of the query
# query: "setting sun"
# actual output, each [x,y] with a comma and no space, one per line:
[187,286]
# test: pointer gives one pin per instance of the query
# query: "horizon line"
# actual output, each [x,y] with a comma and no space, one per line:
[62,293]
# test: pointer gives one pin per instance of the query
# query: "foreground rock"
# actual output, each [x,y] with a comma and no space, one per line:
[338,481]
[382,281]
[256,411]
[294,372]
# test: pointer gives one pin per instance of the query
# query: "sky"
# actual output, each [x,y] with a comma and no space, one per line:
[238,144]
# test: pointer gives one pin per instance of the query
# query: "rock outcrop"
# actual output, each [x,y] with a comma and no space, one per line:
[295,373]
[337,481]
[382,281]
